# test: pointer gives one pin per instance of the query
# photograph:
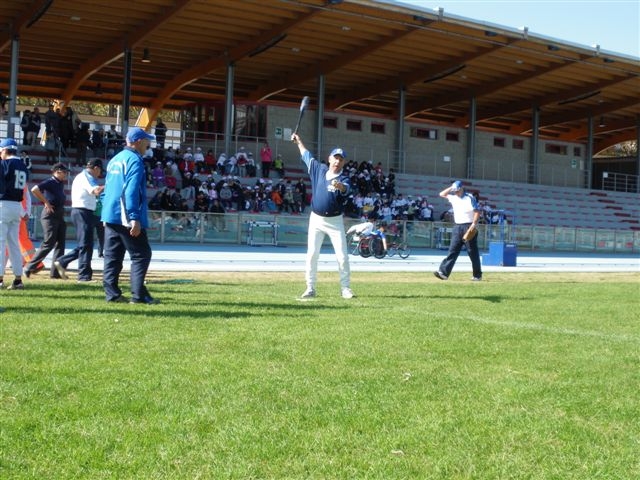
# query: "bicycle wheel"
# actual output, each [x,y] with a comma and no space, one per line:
[392,250]
[364,247]
[378,248]
[404,250]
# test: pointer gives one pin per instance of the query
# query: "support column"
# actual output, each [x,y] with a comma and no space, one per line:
[588,160]
[471,139]
[533,173]
[399,163]
[126,90]
[638,154]
[320,117]
[13,85]
[228,109]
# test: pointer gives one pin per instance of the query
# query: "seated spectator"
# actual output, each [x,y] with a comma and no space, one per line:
[210,162]
[157,175]
[27,162]
[201,203]
[250,166]
[241,162]
[198,161]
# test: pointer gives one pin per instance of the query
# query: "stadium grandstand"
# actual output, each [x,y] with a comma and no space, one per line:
[428,96]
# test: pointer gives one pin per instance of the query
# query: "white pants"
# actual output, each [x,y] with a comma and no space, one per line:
[10,218]
[318,228]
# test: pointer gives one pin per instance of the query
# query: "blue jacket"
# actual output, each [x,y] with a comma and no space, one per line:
[125,190]
[14,177]
[325,200]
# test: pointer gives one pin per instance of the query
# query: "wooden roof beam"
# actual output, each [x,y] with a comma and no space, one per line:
[515,107]
[283,82]
[395,83]
[213,64]
[23,22]
[490,88]
[116,50]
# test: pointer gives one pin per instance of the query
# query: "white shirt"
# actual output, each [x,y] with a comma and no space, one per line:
[463,207]
[81,191]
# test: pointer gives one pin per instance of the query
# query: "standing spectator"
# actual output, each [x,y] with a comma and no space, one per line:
[25,125]
[51,193]
[124,213]
[13,175]
[51,146]
[161,133]
[84,199]
[67,128]
[266,157]
[83,138]
[465,214]
[330,189]
[34,126]
[52,121]
[97,142]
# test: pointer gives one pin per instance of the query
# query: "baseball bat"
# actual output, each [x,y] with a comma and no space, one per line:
[303,106]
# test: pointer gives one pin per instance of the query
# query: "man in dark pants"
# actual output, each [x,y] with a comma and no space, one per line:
[124,214]
[84,193]
[466,213]
[51,193]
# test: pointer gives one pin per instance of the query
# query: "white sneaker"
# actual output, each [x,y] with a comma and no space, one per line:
[347,293]
[308,293]
[61,270]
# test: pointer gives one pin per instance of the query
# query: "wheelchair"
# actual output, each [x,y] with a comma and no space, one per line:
[366,245]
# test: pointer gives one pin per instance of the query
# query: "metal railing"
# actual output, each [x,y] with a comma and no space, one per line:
[234,229]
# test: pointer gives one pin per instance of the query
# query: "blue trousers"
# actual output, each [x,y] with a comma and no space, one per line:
[456,246]
[84,220]
[117,241]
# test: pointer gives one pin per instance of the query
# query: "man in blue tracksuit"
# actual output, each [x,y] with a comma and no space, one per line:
[124,214]
[329,191]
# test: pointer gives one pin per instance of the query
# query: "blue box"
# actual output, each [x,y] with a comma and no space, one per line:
[501,254]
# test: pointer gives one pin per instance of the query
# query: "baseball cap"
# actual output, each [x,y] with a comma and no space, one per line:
[338,151]
[136,133]
[95,162]
[456,186]
[59,167]
[8,143]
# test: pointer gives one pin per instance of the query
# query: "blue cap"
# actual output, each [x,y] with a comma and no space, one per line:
[8,143]
[136,133]
[338,151]
[456,186]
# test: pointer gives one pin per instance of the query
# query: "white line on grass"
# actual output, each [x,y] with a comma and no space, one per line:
[554,330]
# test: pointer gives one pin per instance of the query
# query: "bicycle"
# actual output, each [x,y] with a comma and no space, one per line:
[401,248]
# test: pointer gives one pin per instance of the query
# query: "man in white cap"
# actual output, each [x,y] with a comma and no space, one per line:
[124,214]
[466,214]
[13,173]
[329,191]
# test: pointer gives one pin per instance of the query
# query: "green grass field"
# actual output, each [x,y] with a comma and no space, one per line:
[522,376]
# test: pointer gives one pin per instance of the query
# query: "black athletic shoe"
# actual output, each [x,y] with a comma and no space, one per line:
[119,299]
[146,299]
